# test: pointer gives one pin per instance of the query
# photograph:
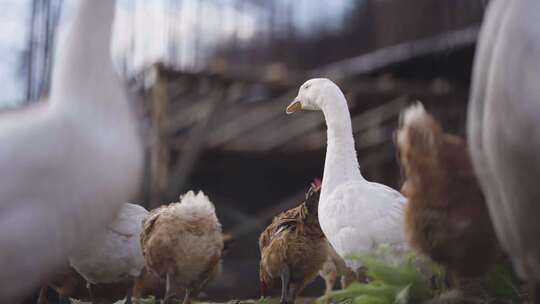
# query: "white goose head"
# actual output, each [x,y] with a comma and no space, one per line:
[312,95]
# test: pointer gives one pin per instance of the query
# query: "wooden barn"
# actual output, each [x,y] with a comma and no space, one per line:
[223,128]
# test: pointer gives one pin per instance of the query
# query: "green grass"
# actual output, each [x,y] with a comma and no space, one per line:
[152,300]
[407,279]
[412,279]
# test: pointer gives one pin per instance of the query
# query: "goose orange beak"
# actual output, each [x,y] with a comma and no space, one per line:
[294,106]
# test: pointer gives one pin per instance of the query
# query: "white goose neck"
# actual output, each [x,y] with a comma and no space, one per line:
[83,73]
[341,164]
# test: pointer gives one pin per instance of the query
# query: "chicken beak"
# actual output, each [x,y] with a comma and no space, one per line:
[294,106]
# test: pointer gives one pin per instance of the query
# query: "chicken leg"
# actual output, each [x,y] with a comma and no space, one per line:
[187,300]
[42,299]
[169,294]
[263,288]
[329,281]
[285,282]
[293,291]
[129,293]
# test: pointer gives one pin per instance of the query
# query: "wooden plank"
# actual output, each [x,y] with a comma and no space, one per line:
[378,115]
[364,140]
[189,115]
[290,129]
[268,128]
[159,152]
[194,144]
[243,73]
[265,127]
[250,120]
[385,57]
[264,216]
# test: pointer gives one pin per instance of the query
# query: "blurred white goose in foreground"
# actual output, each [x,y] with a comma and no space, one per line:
[116,257]
[355,215]
[69,163]
[504,128]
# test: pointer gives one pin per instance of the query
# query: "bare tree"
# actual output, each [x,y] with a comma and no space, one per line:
[44,18]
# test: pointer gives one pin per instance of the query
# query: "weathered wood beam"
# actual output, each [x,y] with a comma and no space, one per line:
[159,151]
[385,57]
[279,133]
[237,93]
[250,120]
[265,127]
[374,137]
[263,217]
[194,144]
[189,115]
[377,116]
[180,86]
[243,73]
[276,135]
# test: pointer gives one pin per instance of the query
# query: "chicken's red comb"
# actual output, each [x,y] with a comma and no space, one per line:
[317,183]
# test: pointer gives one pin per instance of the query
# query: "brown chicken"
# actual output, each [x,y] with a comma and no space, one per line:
[446,217]
[182,244]
[293,248]
[148,284]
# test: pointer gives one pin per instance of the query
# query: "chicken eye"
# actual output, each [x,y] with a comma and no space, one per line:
[306,86]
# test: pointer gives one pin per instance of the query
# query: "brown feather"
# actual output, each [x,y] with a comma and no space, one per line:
[183,241]
[294,238]
[446,217]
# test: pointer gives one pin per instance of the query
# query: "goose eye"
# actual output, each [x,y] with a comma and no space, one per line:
[306,86]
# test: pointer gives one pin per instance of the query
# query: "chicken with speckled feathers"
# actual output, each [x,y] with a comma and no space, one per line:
[293,248]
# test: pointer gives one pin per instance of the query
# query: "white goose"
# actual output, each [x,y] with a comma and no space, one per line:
[116,256]
[69,163]
[504,128]
[355,215]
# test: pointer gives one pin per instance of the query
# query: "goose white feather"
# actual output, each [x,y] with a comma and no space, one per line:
[70,162]
[355,215]
[504,126]
[116,256]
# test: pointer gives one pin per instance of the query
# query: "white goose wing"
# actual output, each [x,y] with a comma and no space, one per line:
[359,216]
[129,221]
[117,255]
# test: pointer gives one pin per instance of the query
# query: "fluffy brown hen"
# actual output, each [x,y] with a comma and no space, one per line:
[293,248]
[148,284]
[446,217]
[182,244]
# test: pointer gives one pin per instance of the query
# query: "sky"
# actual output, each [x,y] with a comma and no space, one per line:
[152,22]
[13,19]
